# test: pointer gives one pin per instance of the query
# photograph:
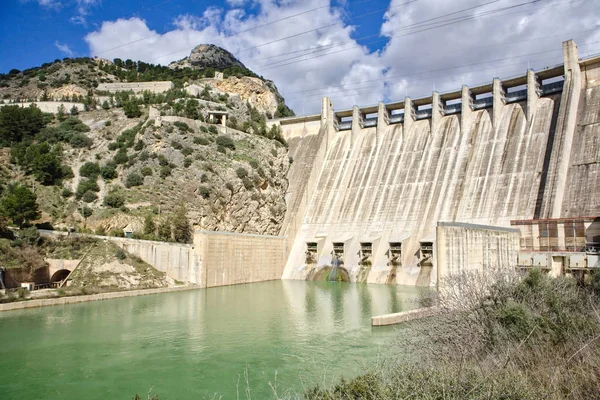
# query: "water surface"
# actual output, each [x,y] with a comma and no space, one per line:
[191,345]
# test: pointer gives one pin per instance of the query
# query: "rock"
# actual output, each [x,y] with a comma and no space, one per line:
[209,56]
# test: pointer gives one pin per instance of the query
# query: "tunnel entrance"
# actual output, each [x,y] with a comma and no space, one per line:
[60,275]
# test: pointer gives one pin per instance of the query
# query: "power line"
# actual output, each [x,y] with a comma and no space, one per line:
[322,48]
[442,24]
[227,36]
[428,79]
[326,26]
[470,48]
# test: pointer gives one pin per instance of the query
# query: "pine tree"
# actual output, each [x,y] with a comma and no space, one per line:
[182,230]
[19,204]
[149,226]
[164,231]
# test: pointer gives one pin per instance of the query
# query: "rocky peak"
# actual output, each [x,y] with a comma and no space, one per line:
[209,56]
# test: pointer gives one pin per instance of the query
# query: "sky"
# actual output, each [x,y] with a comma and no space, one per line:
[357,52]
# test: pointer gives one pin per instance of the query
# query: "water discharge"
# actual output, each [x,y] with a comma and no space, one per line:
[189,345]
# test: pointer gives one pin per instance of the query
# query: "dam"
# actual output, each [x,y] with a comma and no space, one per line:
[406,192]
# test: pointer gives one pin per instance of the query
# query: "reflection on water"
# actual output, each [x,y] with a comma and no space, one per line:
[193,344]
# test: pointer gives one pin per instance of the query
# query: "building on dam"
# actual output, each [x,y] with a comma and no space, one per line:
[507,173]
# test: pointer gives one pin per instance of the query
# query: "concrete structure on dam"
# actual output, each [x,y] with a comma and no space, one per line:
[374,187]
[136,87]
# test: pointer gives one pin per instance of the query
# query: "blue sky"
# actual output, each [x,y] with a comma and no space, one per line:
[346,49]
[36,26]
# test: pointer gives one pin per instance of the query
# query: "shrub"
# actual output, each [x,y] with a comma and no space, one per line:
[139,145]
[221,149]
[121,157]
[89,196]
[66,192]
[144,155]
[86,212]
[241,172]
[204,192]
[79,140]
[176,145]
[90,170]
[165,171]
[253,164]
[107,123]
[183,127]
[186,151]
[201,140]
[162,160]
[120,254]
[134,179]
[85,186]
[187,162]
[203,129]
[146,171]
[108,171]
[114,200]
[213,129]
[113,146]
[274,152]
[248,183]
[203,178]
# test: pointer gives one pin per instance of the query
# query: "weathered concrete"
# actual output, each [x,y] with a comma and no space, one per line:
[404,316]
[231,258]
[136,87]
[467,247]
[48,106]
[498,161]
[214,259]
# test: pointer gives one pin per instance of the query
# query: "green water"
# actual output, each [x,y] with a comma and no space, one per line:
[190,345]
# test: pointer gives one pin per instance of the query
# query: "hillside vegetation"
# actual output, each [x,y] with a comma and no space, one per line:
[153,163]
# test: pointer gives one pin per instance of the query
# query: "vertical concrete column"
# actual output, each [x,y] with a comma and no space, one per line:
[383,120]
[437,111]
[327,120]
[499,102]
[533,93]
[409,114]
[357,124]
[466,108]
[570,97]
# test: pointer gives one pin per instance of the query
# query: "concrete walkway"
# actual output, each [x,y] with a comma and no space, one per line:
[405,316]
[19,305]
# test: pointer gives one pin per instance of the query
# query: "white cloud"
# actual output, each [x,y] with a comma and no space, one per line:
[64,48]
[350,73]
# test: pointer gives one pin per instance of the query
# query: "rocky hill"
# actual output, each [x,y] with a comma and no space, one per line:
[209,56]
[136,161]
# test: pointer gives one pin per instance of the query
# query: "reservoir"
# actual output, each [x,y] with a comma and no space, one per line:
[195,344]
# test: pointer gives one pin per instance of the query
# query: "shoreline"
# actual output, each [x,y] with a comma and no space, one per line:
[55,301]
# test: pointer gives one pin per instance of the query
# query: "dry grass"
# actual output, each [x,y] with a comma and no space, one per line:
[501,336]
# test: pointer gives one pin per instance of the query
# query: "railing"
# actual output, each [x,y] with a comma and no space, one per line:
[423,114]
[483,103]
[345,126]
[513,97]
[368,122]
[396,118]
[453,109]
[553,87]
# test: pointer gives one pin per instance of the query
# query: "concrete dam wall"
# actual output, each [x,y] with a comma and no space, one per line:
[374,182]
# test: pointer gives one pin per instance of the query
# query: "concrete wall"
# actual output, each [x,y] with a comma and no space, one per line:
[136,87]
[49,106]
[485,163]
[464,247]
[214,259]
[231,258]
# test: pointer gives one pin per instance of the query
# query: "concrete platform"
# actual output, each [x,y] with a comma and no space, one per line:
[405,316]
